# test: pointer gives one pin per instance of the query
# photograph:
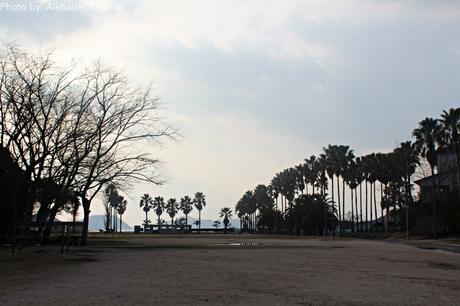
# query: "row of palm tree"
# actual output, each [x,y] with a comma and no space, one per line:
[337,174]
[115,206]
[172,207]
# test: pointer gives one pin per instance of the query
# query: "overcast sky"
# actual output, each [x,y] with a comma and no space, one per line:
[257,86]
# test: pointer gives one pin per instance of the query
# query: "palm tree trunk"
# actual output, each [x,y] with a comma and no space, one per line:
[375,207]
[356,208]
[339,205]
[199,221]
[186,219]
[343,203]
[352,212]
[367,226]
[325,219]
[276,214]
[371,207]
[282,206]
[433,199]
[333,206]
[361,206]
[385,226]
[121,226]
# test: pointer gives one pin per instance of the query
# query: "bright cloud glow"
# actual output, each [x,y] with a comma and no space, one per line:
[257,86]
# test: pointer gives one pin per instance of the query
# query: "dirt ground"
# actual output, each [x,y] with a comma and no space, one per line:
[230,269]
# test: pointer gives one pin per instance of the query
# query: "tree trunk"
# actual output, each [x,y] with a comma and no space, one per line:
[52,216]
[343,203]
[367,223]
[276,214]
[361,206]
[199,221]
[356,208]
[339,205]
[457,155]
[375,207]
[325,219]
[86,211]
[385,226]
[333,206]
[433,200]
[371,225]
[352,212]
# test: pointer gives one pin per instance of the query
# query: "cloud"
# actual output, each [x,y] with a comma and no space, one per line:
[260,85]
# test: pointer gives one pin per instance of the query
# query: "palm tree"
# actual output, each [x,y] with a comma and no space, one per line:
[449,136]
[425,141]
[345,157]
[226,213]
[329,157]
[321,165]
[146,203]
[339,157]
[276,188]
[300,181]
[365,168]
[200,203]
[110,201]
[382,175]
[246,207]
[186,207]
[359,180]
[371,164]
[349,176]
[159,206]
[172,208]
[121,208]
[408,159]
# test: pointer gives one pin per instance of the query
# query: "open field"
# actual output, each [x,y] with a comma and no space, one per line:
[230,269]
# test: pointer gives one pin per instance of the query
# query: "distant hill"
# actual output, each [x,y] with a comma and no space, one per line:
[96,222]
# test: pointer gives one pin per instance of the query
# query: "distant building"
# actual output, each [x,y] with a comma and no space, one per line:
[445,178]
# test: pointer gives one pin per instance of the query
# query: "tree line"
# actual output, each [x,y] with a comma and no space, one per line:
[172,207]
[338,191]
[66,132]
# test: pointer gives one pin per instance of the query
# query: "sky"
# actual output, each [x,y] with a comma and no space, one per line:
[257,86]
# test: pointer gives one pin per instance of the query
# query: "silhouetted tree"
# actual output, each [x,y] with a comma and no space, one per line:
[225,213]
[425,136]
[200,202]
[186,206]
[172,208]
[146,203]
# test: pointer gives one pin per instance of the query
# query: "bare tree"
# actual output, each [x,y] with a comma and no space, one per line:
[74,132]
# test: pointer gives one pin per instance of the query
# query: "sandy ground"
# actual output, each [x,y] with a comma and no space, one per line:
[233,269]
